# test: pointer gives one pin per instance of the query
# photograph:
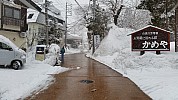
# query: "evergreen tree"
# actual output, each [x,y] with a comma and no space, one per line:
[160,12]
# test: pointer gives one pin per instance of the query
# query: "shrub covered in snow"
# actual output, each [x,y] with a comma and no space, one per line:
[52,57]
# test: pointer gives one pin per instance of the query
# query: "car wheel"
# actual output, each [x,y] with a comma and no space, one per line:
[16,65]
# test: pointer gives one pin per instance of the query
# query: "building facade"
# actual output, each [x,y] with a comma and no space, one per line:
[13,22]
[37,25]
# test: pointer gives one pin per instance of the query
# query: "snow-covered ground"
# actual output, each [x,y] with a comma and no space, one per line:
[33,77]
[156,75]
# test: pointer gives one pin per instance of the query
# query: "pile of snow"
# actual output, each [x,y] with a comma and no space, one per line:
[53,55]
[113,42]
[32,78]
[155,74]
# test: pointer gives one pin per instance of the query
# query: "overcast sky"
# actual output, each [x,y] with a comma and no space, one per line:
[61,4]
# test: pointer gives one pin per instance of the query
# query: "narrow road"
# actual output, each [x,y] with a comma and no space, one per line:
[93,81]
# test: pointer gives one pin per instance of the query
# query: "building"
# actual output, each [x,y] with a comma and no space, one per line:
[13,22]
[37,25]
[73,40]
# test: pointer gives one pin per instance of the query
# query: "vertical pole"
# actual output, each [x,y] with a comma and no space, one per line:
[176,22]
[46,20]
[167,15]
[94,7]
[66,28]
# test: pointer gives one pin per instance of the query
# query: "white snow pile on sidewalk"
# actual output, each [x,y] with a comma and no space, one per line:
[33,77]
[53,55]
[156,75]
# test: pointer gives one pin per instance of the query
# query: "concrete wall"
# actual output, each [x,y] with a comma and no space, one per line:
[33,28]
[11,27]
[14,37]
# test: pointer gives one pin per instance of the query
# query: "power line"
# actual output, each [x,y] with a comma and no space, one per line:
[86,13]
[76,22]
[60,3]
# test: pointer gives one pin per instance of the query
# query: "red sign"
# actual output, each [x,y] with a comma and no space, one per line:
[151,38]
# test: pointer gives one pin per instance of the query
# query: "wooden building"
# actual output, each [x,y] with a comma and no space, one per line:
[13,19]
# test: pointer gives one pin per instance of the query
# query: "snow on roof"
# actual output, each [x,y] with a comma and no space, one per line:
[150,26]
[73,36]
[53,11]
[40,17]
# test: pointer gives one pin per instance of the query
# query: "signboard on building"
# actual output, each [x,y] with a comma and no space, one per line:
[151,38]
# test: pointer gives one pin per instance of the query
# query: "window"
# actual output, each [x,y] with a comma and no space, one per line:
[8,12]
[30,16]
[5,46]
[12,12]
[16,13]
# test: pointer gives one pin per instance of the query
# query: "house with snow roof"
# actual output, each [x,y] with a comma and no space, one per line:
[37,24]
[13,22]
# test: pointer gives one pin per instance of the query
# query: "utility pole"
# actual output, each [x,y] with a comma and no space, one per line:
[94,18]
[167,15]
[66,28]
[46,20]
[68,13]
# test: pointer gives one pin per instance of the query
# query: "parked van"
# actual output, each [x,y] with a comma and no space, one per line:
[10,54]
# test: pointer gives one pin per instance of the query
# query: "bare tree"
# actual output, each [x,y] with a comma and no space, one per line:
[134,18]
[115,7]
[31,39]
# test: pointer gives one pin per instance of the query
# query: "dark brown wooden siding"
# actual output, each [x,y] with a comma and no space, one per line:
[24,18]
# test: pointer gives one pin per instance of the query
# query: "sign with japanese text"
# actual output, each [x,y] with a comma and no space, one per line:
[97,41]
[151,38]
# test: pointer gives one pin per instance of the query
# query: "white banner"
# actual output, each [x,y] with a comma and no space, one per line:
[97,41]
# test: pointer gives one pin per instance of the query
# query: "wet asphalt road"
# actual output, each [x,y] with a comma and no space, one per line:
[93,81]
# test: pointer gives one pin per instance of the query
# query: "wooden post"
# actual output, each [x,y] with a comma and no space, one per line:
[158,52]
[142,52]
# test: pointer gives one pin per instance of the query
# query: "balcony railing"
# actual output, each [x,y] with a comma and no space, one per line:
[13,21]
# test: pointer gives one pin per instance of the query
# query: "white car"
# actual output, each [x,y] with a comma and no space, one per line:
[10,54]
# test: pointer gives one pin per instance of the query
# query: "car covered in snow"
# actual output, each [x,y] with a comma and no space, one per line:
[10,54]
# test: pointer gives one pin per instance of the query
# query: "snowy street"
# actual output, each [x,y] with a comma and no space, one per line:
[90,80]
[35,76]
[89,49]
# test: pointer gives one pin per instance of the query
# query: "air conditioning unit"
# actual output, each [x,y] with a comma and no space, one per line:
[23,34]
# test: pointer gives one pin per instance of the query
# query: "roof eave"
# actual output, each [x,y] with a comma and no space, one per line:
[31,4]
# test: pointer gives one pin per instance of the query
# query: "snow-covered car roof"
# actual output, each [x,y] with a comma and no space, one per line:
[7,41]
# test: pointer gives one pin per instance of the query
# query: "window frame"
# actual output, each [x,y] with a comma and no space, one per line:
[13,12]
[5,46]
[30,16]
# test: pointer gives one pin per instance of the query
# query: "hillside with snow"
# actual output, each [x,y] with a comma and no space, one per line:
[155,74]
